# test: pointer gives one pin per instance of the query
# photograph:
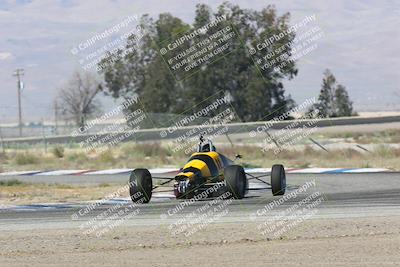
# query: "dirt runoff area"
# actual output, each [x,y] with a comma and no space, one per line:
[318,242]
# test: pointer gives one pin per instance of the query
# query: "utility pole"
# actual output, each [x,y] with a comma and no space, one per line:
[2,141]
[44,137]
[56,116]
[19,73]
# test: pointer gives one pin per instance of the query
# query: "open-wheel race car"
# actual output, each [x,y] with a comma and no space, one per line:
[206,168]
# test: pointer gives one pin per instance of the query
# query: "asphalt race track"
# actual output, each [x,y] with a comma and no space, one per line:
[344,195]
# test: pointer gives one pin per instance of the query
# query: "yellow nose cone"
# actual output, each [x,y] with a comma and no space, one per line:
[200,165]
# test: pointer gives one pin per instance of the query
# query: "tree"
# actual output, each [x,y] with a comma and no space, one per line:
[326,95]
[333,100]
[344,107]
[256,93]
[78,97]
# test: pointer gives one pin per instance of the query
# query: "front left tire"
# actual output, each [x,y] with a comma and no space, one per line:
[140,186]
[278,180]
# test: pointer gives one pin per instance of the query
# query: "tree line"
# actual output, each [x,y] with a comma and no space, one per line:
[257,94]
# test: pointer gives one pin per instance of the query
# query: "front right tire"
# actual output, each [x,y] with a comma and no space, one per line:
[236,182]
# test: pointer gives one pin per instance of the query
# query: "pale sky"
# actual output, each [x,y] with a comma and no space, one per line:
[360,46]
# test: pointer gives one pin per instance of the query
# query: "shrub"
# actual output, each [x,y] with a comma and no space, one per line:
[58,151]
[77,156]
[350,153]
[3,156]
[127,149]
[384,151]
[26,158]
[106,157]
[152,149]
[11,182]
